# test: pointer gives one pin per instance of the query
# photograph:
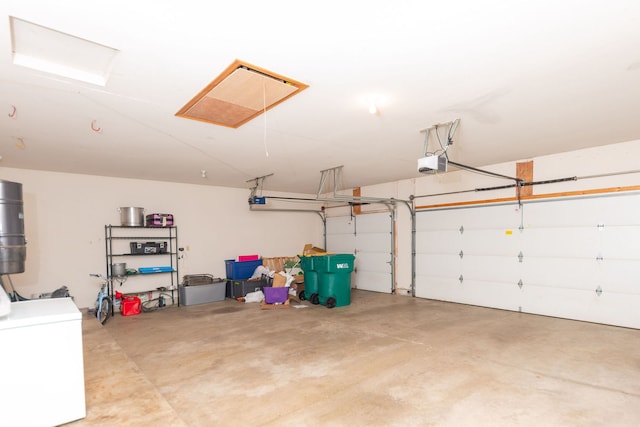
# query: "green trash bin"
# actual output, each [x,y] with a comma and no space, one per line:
[334,279]
[308,266]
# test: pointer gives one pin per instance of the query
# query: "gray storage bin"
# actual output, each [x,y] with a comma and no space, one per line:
[202,294]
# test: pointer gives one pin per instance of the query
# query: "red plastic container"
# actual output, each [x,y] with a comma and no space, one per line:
[130,306]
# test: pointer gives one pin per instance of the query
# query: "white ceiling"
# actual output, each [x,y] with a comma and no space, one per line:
[526,78]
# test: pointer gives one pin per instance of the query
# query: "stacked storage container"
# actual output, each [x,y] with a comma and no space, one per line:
[238,274]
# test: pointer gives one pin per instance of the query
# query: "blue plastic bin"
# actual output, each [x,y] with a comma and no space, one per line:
[240,270]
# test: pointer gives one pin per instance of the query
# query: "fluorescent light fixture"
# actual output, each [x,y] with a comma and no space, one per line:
[44,49]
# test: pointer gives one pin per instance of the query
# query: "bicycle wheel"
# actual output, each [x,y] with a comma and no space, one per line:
[104,311]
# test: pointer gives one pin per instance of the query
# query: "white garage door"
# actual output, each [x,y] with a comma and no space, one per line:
[370,238]
[577,259]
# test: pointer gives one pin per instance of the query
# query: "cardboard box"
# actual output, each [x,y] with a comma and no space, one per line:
[277,263]
[278,280]
[309,249]
[265,306]
[201,294]
[287,304]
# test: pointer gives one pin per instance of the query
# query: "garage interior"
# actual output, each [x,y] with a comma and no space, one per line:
[478,161]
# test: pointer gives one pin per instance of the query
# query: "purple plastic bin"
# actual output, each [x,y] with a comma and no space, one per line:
[275,295]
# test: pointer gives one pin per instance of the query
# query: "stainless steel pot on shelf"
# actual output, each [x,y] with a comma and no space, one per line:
[131,217]
[119,269]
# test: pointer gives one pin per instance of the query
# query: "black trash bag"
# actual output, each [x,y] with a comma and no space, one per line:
[62,292]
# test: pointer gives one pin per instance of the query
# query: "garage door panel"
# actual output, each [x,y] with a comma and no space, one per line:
[379,241]
[563,213]
[373,223]
[561,272]
[620,276]
[491,241]
[373,261]
[492,294]
[443,288]
[473,292]
[341,245]
[555,301]
[340,238]
[492,268]
[561,242]
[450,221]
[491,217]
[580,257]
[372,281]
[615,209]
[340,225]
[620,241]
[369,237]
[613,309]
[607,308]
[439,241]
[438,264]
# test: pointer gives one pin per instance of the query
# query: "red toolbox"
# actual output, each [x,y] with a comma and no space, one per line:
[159,220]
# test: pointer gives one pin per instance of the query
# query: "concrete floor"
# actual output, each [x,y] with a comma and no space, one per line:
[382,361]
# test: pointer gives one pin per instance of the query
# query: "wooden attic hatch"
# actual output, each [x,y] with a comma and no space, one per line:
[240,93]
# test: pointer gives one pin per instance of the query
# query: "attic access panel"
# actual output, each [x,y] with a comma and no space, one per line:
[242,92]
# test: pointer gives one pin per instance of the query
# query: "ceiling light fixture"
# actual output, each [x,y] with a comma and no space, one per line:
[44,49]
[373,101]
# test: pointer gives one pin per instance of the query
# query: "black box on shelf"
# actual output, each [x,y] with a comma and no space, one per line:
[147,248]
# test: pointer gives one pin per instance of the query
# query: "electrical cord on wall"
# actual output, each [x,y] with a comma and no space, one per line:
[13,295]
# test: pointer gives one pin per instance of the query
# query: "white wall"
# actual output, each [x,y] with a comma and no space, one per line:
[65,216]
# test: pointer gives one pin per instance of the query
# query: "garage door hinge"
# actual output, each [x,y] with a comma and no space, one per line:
[520,283]
[461,254]
[599,257]
[461,279]
[598,291]
[600,227]
[520,256]
[461,230]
